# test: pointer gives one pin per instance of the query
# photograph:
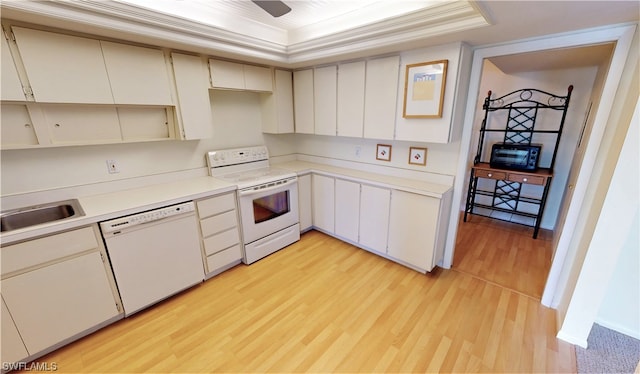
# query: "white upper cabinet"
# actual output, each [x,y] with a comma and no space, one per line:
[303,101]
[351,86]
[325,100]
[234,76]
[257,78]
[225,74]
[63,68]
[17,130]
[277,108]
[11,85]
[381,95]
[137,75]
[192,86]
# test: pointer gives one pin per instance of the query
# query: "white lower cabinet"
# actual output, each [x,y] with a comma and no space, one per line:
[56,289]
[13,348]
[362,214]
[324,203]
[304,202]
[220,233]
[347,213]
[412,229]
[402,226]
[374,217]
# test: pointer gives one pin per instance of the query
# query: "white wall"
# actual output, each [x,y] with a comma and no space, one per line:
[620,308]
[616,229]
[556,82]
[441,158]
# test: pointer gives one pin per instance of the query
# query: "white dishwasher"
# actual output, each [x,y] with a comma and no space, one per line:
[154,254]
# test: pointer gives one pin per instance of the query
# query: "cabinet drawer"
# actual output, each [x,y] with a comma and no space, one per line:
[39,251]
[530,179]
[218,223]
[224,258]
[481,173]
[216,205]
[221,241]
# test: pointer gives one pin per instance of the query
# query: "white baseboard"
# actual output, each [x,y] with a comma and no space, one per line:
[619,328]
[572,339]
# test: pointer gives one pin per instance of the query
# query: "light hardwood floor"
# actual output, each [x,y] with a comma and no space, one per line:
[322,305]
[504,253]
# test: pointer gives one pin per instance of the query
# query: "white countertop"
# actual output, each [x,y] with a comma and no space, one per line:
[381,180]
[105,206]
[121,203]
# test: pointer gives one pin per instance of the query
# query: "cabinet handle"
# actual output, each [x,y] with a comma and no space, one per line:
[27,125]
[524,179]
[490,175]
[57,125]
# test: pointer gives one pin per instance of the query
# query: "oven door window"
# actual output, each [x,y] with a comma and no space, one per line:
[271,206]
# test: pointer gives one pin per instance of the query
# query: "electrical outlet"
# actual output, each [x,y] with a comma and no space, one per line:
[112,166]
[358,150]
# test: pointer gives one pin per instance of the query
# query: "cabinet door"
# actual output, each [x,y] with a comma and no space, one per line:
[304,202]
[82,125]
[277,108]
[63,68]
[137,75]
[257,78]
[144,123]
[303,101]
[17,128]
[11,85]
[225,74]
[347,209]
[58,301]
[323,203]
[325,100]
[351,99]
[412,229]
[374,217]
[381,96]
[13,349]
[194,107]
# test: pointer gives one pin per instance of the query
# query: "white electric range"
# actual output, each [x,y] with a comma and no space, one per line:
[267,199]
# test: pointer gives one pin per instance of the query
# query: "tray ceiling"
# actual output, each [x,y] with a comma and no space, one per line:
[317,31]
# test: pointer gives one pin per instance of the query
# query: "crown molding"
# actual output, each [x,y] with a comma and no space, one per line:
[119,20]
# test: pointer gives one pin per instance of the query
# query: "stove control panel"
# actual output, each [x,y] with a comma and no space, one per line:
[228,157]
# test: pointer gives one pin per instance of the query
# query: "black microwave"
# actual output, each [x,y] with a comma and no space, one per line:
[515,156]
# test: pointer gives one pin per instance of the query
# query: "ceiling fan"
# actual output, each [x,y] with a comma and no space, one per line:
[274,7]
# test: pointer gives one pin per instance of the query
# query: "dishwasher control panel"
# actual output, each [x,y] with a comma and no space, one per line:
[114,225]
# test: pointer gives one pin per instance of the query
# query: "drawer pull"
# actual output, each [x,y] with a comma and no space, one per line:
[490,175]
[524,179]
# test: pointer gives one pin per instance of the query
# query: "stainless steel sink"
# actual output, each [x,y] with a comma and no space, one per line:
[38,214]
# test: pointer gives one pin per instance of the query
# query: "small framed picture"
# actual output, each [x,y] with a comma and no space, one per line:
[383,152]
[417,156]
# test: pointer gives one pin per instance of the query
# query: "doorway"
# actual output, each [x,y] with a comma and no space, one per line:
[508,255]
[590,131]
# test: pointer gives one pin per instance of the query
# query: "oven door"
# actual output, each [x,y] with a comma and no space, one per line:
[268,208]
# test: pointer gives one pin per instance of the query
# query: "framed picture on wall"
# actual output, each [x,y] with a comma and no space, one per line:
[417,156]
[383,152]
[424,89]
